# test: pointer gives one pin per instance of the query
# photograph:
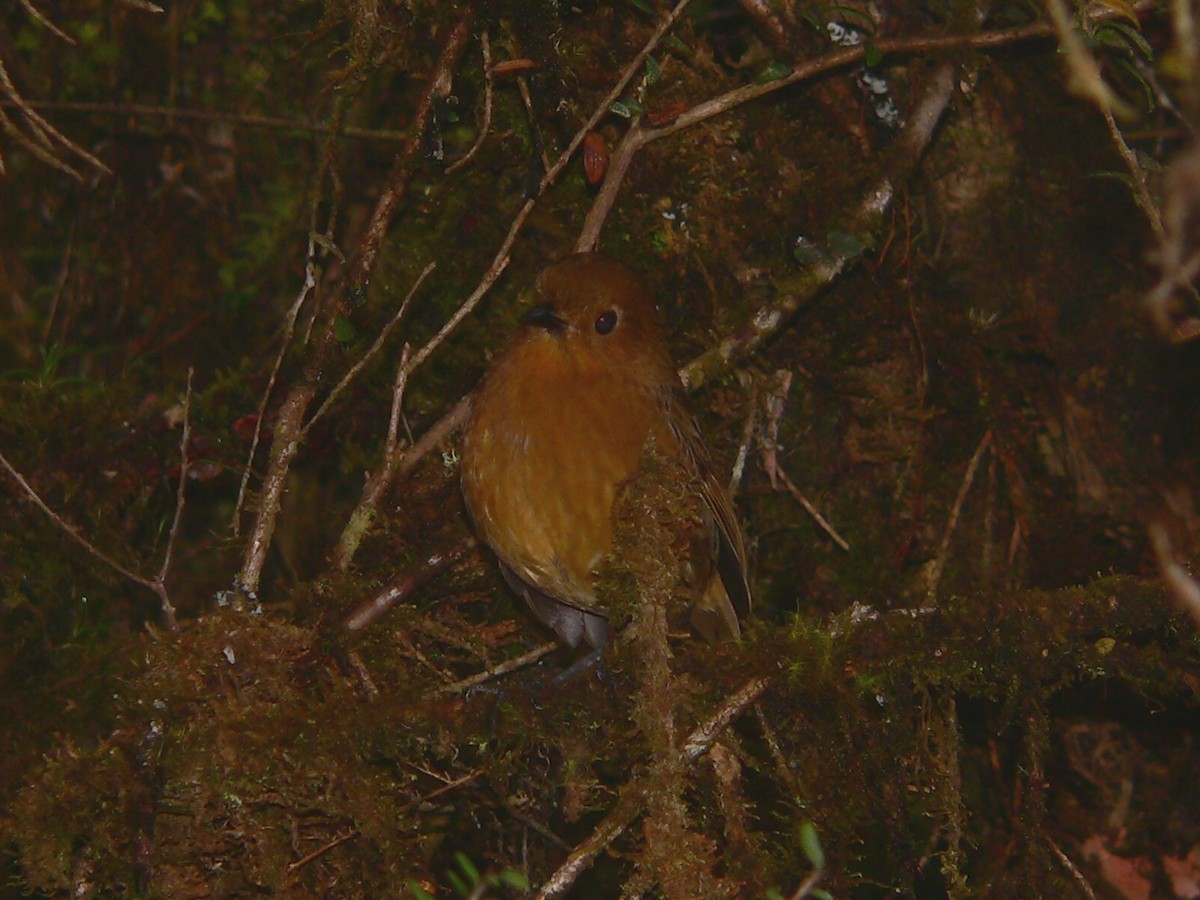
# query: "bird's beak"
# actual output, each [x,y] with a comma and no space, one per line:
[544,316]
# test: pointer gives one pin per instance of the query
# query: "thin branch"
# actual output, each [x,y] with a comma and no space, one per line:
[509,665]
[739,463]
[735,704]
[288,430]
[370,354]
[939,563]
[295,866]
[157,584]
[1070,866]
[249,120]
[180,493]
[403,586]
[1137,175]
[43,130]
[392,445]
[637,137]
[488,88]
[289,329]
[1180,584]
[38,16]
[810,509]
[72,531]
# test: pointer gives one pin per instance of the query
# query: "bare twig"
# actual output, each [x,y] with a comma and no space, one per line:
[184,439]
[370,354]
[298,864]
[249,120]
[71,530]
[306,289]
[1180,584]
[38,16]
[325,169]
[534,130]
[45,135]
[509,665]
[392,445]
[939,563]
[1070,866]
[1137,175]
[735,704]
[486,125]
[156,584]
[810,509]
[776,398]
[808,885]
[402,587]
[288,428]
[739,464]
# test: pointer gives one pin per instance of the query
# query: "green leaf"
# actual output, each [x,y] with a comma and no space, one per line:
[872,55]
[343,330]
[855,18]
[1140,81]
[617,108]
[811,845]
[847,246]
[468,867]
[644,7]
[419,892]
[677,45]
[1123,37]
[809,253]
[773,72]
[457,883]
[1146,161]
[515,879]
[653,70]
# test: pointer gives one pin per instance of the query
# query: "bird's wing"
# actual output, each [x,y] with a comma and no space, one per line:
[731,545]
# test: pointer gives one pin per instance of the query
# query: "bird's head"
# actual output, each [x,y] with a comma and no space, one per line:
[599,312]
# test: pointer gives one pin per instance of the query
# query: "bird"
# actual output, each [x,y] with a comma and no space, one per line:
[556,429]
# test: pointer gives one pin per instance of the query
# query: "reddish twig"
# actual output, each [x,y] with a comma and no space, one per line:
[403,586]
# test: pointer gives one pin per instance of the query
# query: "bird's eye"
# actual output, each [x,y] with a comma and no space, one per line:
[606,322]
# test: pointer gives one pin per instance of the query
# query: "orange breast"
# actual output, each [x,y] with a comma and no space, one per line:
[548,444]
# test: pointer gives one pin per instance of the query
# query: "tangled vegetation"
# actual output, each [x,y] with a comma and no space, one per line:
[929,281]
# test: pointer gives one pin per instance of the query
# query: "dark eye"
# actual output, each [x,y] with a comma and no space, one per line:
[606,321]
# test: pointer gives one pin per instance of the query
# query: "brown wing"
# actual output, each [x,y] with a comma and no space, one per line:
[731,545]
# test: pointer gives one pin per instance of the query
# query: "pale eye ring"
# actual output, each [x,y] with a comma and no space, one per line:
[606,322]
